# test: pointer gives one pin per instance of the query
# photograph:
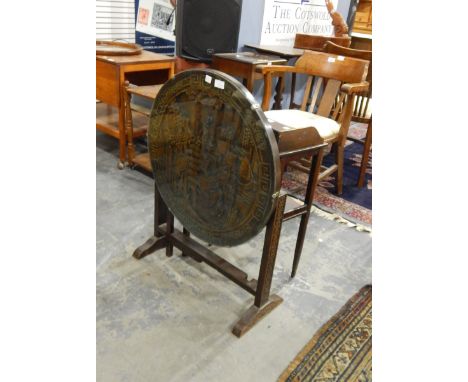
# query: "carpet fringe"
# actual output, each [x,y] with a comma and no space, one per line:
[331,216]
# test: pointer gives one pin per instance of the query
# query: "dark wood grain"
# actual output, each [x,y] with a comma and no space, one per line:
[215,161]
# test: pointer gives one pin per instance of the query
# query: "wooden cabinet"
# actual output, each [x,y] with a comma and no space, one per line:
[363,18]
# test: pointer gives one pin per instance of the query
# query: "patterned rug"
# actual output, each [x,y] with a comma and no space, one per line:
[355,204]
[341,350]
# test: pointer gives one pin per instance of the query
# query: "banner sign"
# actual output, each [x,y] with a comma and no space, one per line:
[155,25]
[282,19]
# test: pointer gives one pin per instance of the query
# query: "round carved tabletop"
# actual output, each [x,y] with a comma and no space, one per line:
[214,156]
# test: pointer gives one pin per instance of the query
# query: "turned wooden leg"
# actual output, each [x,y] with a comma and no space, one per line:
[279,93]
[365,155]
[122,136]
[129,125]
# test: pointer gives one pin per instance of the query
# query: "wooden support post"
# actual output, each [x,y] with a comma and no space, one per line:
[160,211]
[264,303]
[169,232]
[158,240]
[186,233]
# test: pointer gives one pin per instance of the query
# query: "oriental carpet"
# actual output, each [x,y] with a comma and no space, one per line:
[341,350]
[355,204]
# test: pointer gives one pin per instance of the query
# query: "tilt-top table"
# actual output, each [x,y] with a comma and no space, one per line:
[217,169]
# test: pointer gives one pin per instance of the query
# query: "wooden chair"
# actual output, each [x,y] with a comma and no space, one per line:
[361,111]
[315,42]
[328,76]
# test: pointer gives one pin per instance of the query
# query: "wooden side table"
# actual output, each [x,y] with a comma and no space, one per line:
[244,65]
[147,68]
[281,51]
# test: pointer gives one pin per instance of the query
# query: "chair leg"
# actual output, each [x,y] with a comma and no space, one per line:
[340,164]
[299,243]
[365,156]
[312,182]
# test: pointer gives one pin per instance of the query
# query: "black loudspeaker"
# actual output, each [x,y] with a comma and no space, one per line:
[205,27]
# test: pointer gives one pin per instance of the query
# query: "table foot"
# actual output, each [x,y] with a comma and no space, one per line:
[152,244]
[255,314]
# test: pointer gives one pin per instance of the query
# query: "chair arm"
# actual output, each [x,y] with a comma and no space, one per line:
[270,71]
[355,88]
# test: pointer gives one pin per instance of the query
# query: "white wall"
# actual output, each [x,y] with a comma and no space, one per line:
[250,32]
[115,20]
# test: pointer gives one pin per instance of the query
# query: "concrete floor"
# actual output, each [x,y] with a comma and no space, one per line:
[170,319]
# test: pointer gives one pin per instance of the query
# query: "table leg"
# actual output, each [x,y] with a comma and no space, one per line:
[122,131]
[264,303]
[250,81]
[279,93]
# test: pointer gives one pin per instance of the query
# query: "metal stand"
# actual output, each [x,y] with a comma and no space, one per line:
[166,236]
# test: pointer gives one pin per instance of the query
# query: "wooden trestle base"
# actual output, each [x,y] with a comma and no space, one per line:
[166,236]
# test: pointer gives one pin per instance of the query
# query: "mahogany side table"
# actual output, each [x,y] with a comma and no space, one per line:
[244,65]
[147,68]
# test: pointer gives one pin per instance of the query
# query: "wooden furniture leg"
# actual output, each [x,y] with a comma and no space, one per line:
[186,233]
[309,195]
[279,93]
[128,124]
[158,240]
[264,303]
[365,155]
[169,232]
[250,81]
[122,132]
[340,164]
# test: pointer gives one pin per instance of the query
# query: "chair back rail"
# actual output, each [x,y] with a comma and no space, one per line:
[326,73]
[362,101]
[312,42]
[333,66]
[333,48]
